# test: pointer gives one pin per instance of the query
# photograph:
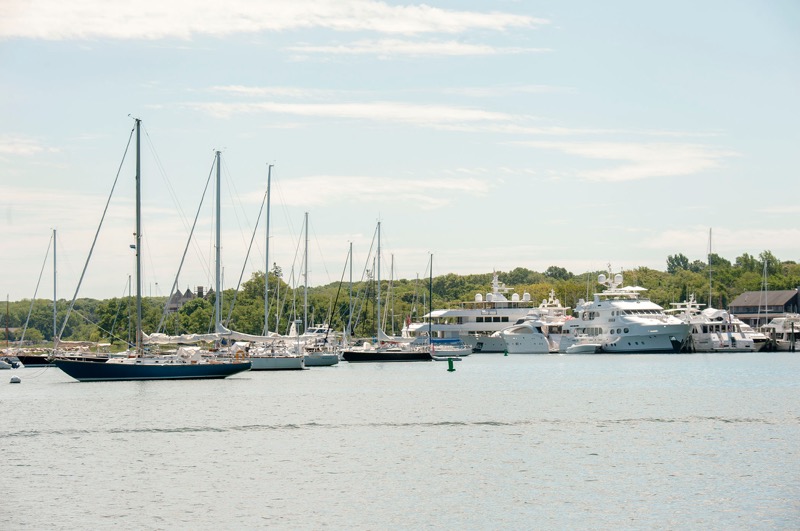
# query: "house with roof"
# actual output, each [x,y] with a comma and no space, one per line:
[758,308]
[178,299]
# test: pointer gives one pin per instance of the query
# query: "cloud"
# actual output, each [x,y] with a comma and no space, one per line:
[335,189]
[12,145]
[183,19]
[430,115]
[393,47]
[729,242]
[643,160]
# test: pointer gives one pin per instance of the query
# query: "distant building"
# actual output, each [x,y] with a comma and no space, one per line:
[178,299]
[758,308]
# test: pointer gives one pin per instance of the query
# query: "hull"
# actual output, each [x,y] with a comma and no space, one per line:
[321,360]
[355,356]
[486,344]
[35,360]
[635,344]
[584,348]
[526,344]
[276,363]
[87,371]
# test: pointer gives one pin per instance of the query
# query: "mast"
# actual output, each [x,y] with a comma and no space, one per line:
[138,239]
[430,304]
[350,301]
[266,265]
[709,268]
[217,308]
[305,280]
[378,333]
[55,326]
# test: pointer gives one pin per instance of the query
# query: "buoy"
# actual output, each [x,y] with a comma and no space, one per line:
[450,367]
[15,379]
[505,352]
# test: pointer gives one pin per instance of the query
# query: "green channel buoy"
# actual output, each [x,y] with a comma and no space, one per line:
[450,367]
[505,352]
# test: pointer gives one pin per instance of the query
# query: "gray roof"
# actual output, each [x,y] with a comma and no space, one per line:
[757,298]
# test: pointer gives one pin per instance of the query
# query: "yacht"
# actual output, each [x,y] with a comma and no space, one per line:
[621,320]
[475,321]
[783,332]
[712,330]
[540,331]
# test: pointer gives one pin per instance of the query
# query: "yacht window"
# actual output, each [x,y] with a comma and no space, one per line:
[626,330]
[479,319]
[505,319]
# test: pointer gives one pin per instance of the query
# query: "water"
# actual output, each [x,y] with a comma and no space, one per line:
[504,442]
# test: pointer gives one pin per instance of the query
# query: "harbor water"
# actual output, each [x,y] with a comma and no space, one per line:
[701,441]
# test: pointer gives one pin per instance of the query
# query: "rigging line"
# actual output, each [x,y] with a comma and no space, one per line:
[322,256]
[96,235]
[185,251]
[110,334]
[166,180]
[44,263]
[235,198]
[119,305]
[244,265]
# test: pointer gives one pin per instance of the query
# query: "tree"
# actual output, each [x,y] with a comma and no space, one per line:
[676,263]
[558,273]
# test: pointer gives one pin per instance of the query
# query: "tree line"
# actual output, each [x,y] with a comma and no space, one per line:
[714,283]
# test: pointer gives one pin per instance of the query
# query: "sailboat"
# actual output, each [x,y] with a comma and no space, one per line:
[139,366]
[384,351]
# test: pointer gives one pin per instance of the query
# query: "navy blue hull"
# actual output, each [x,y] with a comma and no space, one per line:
[87,371]
[359,356]
[35,360]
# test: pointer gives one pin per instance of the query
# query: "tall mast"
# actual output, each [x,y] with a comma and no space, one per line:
[266,267]
[709,268]
[378,269]
[350,301]
[305,280]
[55,326]
[217,308]
[138,239]
[430,304]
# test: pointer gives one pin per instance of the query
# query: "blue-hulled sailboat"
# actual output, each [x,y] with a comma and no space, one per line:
[145,367]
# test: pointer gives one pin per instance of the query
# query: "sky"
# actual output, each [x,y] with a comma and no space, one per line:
[489,134]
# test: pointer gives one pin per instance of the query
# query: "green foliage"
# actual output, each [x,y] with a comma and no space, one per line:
[113,319]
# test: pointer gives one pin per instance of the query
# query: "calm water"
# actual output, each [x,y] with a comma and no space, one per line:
[504,442]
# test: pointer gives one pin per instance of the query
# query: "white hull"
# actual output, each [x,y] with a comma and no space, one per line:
[526,344]
[583,348]
[668,339]
[276,363]
[320,360]
[485,344]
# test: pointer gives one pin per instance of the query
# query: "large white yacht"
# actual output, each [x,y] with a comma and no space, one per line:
[712,330]
[539,332]
[784,332]
[475,321]
[622,321]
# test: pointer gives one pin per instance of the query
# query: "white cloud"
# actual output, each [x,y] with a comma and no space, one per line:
[643,160]
[335,189]
[12,145]
[151,19]
[728,242]
[430,115]
[392,47]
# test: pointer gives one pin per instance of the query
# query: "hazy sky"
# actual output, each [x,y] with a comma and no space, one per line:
[493,134]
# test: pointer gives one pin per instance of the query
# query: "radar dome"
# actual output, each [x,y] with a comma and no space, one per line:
[526,296]
[488,297]
[478,297]
[618,278]
[515,297]
[601,278]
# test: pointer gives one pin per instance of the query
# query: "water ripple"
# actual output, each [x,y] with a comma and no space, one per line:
[432,424]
